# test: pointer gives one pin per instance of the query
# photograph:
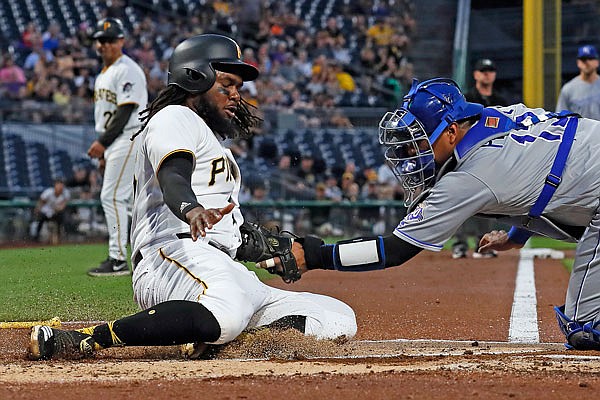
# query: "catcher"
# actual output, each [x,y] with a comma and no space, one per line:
[536,170]
[187,228]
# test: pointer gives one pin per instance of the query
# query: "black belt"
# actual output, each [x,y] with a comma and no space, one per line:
[137,257]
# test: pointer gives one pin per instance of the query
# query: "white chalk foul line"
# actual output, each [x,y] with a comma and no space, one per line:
[523,316]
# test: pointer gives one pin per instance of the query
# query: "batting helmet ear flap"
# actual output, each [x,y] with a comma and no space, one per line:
[195,75]
[196,79]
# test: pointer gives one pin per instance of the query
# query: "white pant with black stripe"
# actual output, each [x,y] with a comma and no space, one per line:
[116,195]
[182,269]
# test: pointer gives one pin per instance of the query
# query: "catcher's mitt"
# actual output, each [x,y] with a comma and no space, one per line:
[260,244]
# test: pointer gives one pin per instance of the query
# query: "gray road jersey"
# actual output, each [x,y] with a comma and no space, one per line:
[580,97]
[505,176]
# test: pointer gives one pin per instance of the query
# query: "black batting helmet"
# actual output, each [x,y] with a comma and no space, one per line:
[194,61]
[109,28]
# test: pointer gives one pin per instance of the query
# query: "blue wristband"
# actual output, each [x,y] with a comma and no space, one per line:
[518,235]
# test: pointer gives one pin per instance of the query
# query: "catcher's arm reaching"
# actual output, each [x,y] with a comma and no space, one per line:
[359,254]
[261,245]
[501,240]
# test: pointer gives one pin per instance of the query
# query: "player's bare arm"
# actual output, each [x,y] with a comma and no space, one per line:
[201,219]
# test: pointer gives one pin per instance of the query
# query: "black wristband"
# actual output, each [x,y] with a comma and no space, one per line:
[312,252]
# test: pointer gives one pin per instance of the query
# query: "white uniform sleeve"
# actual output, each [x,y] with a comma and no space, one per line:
[130,87]
[455,198]
[170,132]
[46,194]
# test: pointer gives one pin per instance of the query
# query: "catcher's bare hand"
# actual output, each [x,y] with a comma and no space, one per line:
[297,252]
[496,240]
[201,219]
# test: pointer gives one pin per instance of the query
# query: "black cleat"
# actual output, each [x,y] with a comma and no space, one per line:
[46,343]
[110,267]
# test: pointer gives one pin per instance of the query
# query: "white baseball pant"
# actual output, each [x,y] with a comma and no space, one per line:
[181,269]
[116,195]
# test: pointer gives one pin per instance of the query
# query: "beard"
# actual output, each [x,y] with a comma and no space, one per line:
[222,126]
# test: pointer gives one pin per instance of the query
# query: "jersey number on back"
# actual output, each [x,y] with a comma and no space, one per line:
[545,135]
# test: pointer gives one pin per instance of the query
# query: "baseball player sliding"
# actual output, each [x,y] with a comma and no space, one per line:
[187,226]
[119,94]
[536,170]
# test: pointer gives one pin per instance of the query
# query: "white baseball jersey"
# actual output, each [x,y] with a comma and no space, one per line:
[503,175]
[215,179]
[123,82]
[51,201]
[175,268]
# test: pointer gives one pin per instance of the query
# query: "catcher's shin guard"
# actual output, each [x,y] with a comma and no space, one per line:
[579,337]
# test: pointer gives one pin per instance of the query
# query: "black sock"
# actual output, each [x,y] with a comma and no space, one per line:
[168,323]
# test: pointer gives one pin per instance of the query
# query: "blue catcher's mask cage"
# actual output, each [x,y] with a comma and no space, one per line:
[408,152]
[410,132]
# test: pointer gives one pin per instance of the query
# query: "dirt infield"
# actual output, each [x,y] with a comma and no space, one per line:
[434,328]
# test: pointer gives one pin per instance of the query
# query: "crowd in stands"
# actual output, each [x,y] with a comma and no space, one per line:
[357,58]
[305,178]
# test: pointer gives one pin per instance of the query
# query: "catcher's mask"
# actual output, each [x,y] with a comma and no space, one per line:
[410,132]
[194,61]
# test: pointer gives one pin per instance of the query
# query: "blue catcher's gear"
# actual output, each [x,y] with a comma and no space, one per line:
[579,337]
[409,153]
[409,132]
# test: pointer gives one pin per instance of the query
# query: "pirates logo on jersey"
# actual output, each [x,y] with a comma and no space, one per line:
[127,87]
[492,122]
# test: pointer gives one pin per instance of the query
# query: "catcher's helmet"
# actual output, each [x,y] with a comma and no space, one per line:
[194,61]
[410,132]
[436,103]
[109,28]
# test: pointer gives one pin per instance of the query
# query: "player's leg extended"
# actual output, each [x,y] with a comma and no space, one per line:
[580,317]
[168,323]
[322,316]
[196,271]
[117,188]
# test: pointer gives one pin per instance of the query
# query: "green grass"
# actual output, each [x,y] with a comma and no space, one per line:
[39,283]
[43,282]
[544,242]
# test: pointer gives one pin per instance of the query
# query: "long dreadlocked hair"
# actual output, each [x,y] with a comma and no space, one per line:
[168,96]
[243,118]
